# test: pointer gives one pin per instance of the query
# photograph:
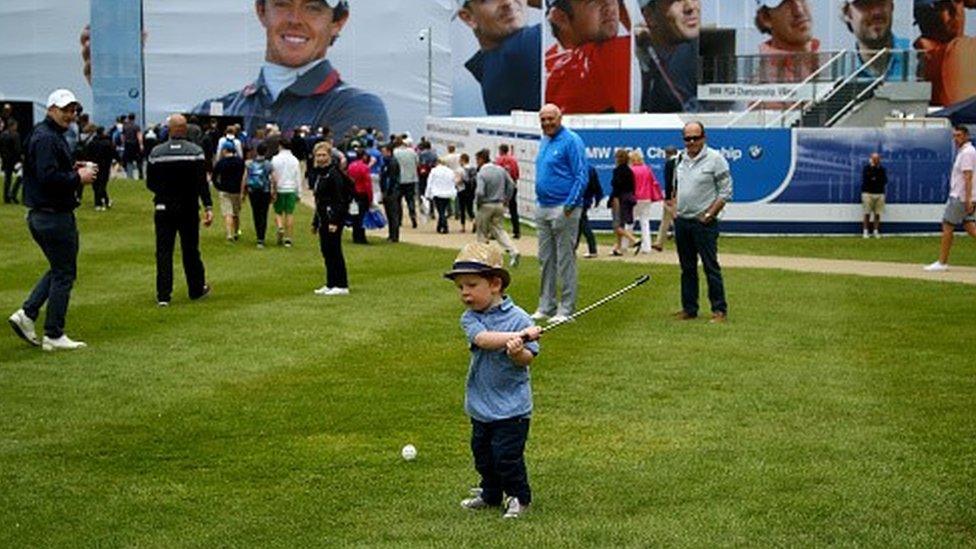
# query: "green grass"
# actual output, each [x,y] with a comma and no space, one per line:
[830,410]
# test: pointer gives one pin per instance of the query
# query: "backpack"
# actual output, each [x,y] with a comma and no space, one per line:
[257,175]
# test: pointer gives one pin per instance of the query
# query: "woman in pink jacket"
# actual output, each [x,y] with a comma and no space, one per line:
[646,191]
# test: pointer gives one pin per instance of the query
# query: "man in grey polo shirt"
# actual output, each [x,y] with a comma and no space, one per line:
[704,185]
[494,189]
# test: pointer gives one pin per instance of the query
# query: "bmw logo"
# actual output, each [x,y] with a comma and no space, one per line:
[755,152]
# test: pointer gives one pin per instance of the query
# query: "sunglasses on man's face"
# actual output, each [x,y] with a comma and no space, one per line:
[693,138]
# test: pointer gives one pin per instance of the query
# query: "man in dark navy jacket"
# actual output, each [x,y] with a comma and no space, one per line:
[51,183]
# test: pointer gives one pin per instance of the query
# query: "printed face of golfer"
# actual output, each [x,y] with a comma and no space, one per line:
[949,20]
[591,21]
[493,20]
[790,24]
[870,21]
[675,21]
[875,159]
[550,119]
[694,137]
[298,31]
[476,292]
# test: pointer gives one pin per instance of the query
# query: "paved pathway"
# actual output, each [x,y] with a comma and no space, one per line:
[426,235]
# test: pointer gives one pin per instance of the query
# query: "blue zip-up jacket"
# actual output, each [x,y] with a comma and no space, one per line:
[50,179]
[510,74]
[561,170]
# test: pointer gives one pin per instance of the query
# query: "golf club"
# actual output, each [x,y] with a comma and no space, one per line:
[640,280]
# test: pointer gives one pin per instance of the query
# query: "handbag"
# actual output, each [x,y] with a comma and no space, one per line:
[374,219]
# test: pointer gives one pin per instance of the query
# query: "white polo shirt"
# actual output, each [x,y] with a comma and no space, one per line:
[288,176]
[965,162]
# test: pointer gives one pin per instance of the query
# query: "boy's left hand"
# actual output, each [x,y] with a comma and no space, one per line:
[515,346]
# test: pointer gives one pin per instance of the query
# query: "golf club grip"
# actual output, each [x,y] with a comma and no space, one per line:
[639,281]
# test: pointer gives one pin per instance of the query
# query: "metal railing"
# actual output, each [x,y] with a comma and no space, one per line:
[882,77]
[794,92]
[788,68]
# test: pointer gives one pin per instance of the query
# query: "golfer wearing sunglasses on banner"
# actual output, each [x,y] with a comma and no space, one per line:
[704,186]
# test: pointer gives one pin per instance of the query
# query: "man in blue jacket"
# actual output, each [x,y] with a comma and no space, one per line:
[560,178]
[51,183]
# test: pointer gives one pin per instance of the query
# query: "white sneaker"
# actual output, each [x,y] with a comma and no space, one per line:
[474,503]
[937,267]
[324,290]
[514,260]
[514,508]
[865,235]
[24,327]
[337,291]
[877,234]
[538,315]
[63,343]
[559,319]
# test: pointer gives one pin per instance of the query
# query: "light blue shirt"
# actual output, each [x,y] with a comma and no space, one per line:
[497,388]
[561,170]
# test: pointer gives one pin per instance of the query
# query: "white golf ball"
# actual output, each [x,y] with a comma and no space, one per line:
[408,452]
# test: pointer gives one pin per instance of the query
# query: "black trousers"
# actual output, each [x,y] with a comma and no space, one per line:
[693,239]
[187,225]
[260,202]
[391,206]
[330,244]
[57,236]
[466,205]
[442,216]
[407,193]
[513,213]
[9,187]
[499,457]
[586,231]
[358,232]
[100,186]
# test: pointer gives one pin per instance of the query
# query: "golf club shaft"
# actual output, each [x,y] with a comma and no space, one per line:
[640,280]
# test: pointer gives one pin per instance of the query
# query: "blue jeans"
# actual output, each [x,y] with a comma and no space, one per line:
[499,457]
[693,239]
[57,235]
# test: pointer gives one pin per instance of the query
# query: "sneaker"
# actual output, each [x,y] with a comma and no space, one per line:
[324,290]
[877,234]
[514,508]
[718,318]
[162,304]
[538,315]
[589,255]
[865,235]
[280,235]
[514,260]
[474,503]
[937,267]
[684,315]
[337,291]
[616,253]
[288,243]
[24,327]
[63,343]
[657,248]
[559,319]
[260,244]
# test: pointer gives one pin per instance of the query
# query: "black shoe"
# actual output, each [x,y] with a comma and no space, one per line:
[413,223]
[203,294]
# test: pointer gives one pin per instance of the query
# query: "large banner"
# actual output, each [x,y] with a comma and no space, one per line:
[803,181]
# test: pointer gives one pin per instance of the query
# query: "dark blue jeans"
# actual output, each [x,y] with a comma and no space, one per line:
[499,456]
[57,235]
[694,239]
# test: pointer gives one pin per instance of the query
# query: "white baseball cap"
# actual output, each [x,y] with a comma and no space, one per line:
[768,3]
[61,99]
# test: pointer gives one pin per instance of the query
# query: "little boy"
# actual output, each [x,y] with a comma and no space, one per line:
[498,394]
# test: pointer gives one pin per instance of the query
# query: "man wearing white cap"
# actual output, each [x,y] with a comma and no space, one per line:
[790,54]
[870,22]
[51,183]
